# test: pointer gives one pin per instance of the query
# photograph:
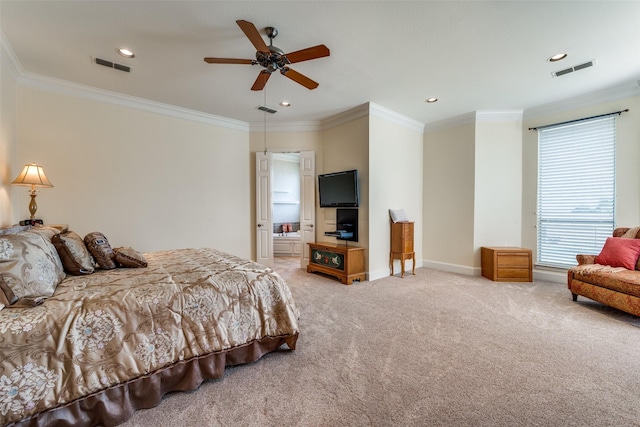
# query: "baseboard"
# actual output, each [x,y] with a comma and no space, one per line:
[550,276]
[386,272]
[538,274]
[452,268]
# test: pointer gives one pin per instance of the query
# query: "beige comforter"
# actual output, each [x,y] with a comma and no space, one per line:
[105,329]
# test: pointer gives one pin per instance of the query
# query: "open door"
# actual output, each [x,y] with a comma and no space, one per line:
[307,204]
[264,219]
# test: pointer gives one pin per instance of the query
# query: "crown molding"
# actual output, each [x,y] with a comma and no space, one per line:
[14,65]
[310,126]
[64,87]
[614,93]
[450,122]
[499,116]
[345,117]
[394,117]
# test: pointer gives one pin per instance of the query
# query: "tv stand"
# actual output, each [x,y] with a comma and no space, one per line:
[340,261]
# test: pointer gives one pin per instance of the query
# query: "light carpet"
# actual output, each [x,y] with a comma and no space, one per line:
[434,349]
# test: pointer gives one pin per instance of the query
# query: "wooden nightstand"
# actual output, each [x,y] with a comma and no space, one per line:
[507,264]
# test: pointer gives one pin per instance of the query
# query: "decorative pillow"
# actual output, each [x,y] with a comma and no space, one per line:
[620,252]
[629,233]
[29,265]
[74,255]
[46,232]
[7,297]
[101,250]
[13,229]
[128,257]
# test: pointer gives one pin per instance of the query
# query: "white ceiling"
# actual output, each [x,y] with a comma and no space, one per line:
[472,55]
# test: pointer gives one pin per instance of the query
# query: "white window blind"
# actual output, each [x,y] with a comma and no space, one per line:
[576,190]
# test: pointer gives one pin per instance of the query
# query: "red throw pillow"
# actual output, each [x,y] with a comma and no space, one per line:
[620,252]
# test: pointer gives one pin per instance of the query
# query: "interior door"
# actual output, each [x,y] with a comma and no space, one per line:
[264,219]
[307,204]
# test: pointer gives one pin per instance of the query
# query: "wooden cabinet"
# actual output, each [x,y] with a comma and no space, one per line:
[345,263]
[507,264]
[402,245]
[286,246]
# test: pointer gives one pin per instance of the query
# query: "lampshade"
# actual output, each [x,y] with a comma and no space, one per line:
[32,175]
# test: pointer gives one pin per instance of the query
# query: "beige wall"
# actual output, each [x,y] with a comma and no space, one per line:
[448,207]
[476,193]
[395,175]
[146,180]
[8,88]
[154,181]
[346,147]
[627,163]
[498,184]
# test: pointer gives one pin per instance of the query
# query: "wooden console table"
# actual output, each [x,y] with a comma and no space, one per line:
[344,262]
[402,245]
[506,264]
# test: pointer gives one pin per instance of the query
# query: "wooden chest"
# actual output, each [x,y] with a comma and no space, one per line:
[507,264]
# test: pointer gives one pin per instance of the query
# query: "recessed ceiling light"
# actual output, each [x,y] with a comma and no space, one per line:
[125,52]
[285,104]
[431,100]
[558,57]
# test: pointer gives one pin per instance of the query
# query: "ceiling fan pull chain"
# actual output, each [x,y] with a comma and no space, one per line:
[265,120]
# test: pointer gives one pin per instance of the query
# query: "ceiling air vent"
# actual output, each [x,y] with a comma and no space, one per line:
[266,109]
[113,65]
[574,68]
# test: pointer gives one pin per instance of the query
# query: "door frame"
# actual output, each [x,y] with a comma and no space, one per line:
[267,223]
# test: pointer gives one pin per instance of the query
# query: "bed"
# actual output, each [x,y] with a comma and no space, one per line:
[108,343]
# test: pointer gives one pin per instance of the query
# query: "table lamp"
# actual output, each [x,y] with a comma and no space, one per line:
[32,175]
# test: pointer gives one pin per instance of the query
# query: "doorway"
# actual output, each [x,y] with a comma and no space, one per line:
[285,204]
[289,201]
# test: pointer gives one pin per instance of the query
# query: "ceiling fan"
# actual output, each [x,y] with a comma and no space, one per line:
[273,58]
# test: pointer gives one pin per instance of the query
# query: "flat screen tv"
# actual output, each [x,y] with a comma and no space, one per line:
[339,189]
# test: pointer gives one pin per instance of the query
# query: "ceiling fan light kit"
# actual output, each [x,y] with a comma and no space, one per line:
[272,58]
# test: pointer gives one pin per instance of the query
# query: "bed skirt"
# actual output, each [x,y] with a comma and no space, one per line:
[117,404]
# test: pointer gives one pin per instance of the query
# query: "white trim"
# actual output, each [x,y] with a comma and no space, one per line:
[452,268]
[386,272]
[394,117]
[380,274]
[64,87]
[345,117]
[450,122]
[310,126]
[499,116]
[550,276]
[583,101]
[15,66]
[538,274]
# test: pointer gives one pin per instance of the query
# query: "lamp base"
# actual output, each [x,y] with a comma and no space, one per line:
[31,222]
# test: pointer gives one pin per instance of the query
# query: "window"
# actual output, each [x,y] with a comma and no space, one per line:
[576,190]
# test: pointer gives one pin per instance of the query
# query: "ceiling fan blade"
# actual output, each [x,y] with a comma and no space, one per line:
[253,35]
[299,78]
[261,80]
[228,61]
[308,53]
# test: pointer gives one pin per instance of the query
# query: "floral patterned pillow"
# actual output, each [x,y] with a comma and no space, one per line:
[74,255]
[30,265]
